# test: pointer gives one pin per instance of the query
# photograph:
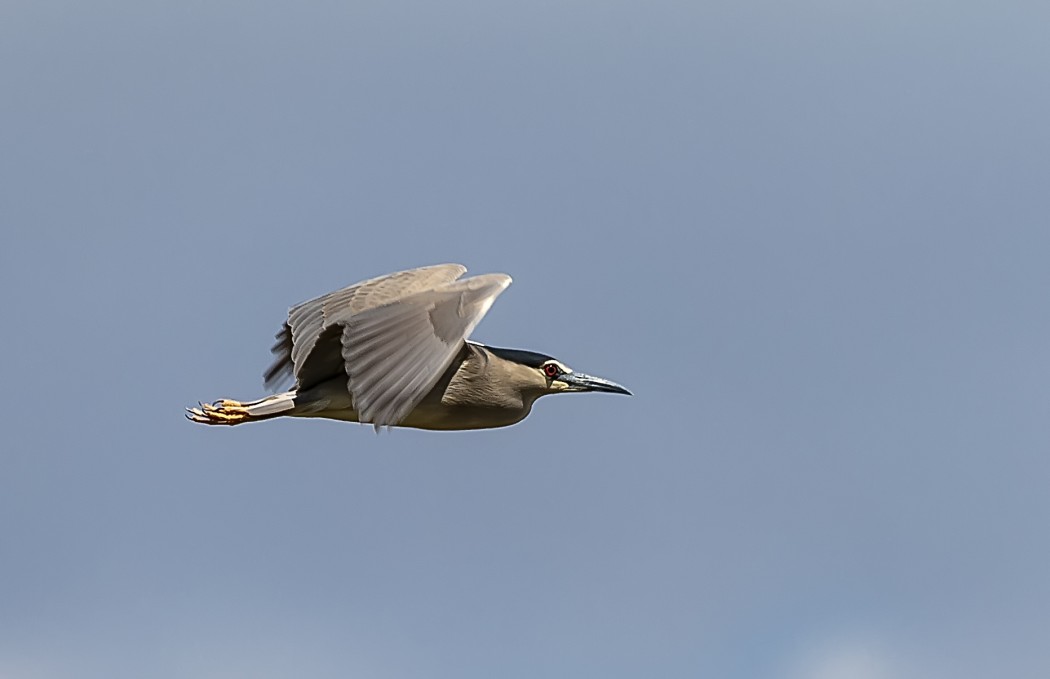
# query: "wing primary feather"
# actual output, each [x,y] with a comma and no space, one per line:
[387,409]
[364,378]
[372,384]
[379,363]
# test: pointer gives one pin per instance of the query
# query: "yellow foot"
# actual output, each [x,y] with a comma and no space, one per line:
[223,411]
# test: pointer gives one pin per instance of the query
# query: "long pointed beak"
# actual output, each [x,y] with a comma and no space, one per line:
[581,382]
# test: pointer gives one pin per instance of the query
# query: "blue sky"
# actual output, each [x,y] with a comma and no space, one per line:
[811,237]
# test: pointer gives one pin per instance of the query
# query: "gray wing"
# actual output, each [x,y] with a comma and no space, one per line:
[394,354]
[307,333]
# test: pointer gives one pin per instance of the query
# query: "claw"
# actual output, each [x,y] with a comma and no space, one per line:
[221,411]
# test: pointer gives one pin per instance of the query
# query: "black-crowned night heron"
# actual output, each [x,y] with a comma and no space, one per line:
[393,351]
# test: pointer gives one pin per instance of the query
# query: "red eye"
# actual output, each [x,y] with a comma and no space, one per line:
[550,370]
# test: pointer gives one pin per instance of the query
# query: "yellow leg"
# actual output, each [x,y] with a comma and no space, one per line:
[223,411]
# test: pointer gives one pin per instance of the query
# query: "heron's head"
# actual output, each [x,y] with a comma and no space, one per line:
[547,375]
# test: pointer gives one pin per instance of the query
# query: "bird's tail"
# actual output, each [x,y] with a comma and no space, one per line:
[228,411]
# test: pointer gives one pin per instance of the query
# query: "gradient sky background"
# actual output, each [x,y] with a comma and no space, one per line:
[811,237]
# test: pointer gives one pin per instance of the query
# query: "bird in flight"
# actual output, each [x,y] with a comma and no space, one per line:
[393,351]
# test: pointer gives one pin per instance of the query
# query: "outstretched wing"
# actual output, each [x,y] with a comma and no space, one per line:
[394,354]
[393,336]
[307,322]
